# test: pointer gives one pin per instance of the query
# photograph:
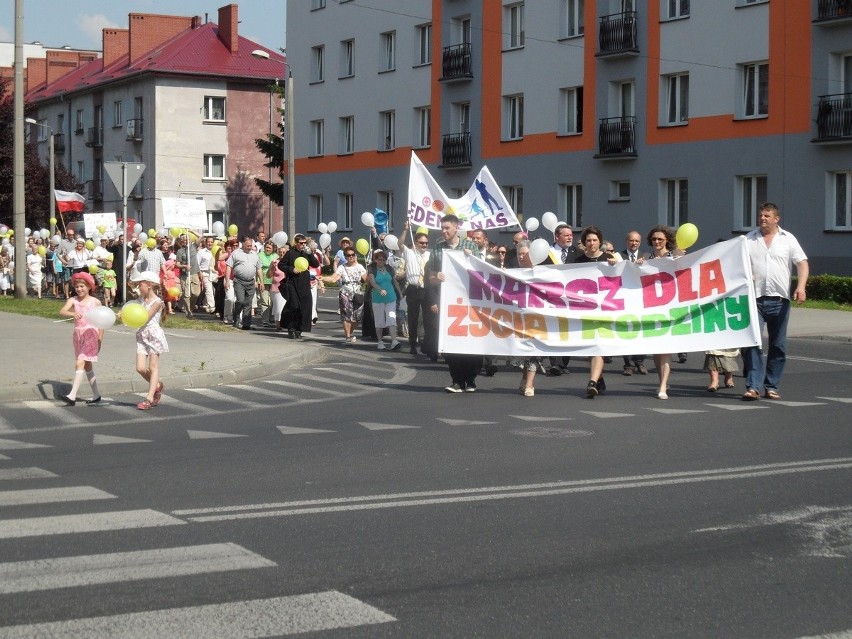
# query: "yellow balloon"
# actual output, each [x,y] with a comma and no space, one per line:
[93,268]
[152,232]
[300,264]
[133,315]
[362,246]
[173,291]
[53,221]
[422,229]
[42,251]
[101,229]
[232,229]
[687,235]
[175,231]
[90,244]
[151,242]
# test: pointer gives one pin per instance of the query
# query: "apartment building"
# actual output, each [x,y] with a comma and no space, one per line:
[621,113]
[185,97]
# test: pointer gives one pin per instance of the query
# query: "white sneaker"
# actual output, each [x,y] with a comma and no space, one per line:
[394,344]
[381,346]
[529,391]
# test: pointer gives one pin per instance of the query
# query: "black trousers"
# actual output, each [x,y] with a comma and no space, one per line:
[463,368]
[418,307]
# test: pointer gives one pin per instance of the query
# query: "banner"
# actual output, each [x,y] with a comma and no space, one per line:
[483,206]
[69,201]
[184,213]
[698,302]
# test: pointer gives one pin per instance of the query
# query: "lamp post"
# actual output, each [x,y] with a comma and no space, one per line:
[289,124]
[52,160]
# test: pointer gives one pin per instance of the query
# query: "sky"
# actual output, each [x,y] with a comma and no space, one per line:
[54,25]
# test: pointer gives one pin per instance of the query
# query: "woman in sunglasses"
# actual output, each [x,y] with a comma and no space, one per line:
[351,275]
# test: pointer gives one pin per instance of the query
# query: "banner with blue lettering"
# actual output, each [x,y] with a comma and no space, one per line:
[697,302]
[483,206]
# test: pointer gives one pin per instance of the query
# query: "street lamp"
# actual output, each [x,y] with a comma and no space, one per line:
[291,144]
[52,161]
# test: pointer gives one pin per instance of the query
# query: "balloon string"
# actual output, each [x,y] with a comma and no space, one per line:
[63,320]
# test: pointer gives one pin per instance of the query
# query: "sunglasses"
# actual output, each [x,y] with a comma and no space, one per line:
[349,254]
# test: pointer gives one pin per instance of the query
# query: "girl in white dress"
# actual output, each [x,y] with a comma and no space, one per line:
[150,338]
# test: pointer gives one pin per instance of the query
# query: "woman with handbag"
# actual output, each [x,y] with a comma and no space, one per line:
[350,275]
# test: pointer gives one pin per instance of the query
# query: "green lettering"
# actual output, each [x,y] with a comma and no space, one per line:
[679,324]
[714,316]
[655,325]
[739,317]
[591,325]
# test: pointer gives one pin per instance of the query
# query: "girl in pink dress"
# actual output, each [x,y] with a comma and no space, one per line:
[87,338]
[150,339]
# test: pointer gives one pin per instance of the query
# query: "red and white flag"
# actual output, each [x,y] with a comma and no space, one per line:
[69,201]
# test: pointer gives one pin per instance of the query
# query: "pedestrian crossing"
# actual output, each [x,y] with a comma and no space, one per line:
[147,568]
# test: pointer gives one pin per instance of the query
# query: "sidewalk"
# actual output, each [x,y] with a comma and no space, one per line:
[37,360]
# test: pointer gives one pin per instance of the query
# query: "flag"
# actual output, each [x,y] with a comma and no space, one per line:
[483,206]
[69,201]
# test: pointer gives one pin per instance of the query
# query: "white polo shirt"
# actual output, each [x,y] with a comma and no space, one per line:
[772,265]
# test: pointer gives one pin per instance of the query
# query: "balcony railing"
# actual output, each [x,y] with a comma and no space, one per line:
[834,117]
[834,9]
[617,136]
[59,142]
[455,150]
[138,192]
[95,137]
[96,189]
[456,62]
[134,129]
[618,33]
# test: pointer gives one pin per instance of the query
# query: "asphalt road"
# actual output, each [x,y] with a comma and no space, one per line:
[358,499]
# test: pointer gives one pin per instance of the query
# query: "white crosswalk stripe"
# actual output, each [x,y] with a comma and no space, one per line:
[10,474]
[219,395]
[51,495]
[66,572]
[306,389]
[91,522]
[13,444]
[255,618]
[58,414]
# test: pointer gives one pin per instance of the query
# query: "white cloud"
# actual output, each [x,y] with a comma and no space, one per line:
[92,25]
[6,35]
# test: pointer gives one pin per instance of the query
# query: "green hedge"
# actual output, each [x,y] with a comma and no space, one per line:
[829,288]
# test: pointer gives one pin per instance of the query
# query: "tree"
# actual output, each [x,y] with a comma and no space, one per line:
[36,174]
[272,146]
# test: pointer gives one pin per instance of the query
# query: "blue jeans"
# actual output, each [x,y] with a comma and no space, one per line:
[774,312]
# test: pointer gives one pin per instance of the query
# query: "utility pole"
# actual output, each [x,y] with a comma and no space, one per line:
[18,202]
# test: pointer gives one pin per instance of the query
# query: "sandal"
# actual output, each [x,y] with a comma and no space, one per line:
[712,389]
[145,405]
[158,394]
[731,385]
[750,395]
[772,394]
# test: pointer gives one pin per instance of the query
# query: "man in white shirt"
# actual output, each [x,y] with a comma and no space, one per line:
[205,264]
[415,291]
[244,265]
[773,252]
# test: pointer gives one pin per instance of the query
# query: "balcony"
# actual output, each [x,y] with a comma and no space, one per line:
[455,150]
[95,137]
[830,12]
[59,142]
[834,118]
[138,192]
[618,35]
[456,63]
[96,189]
[134,130]
[617,138]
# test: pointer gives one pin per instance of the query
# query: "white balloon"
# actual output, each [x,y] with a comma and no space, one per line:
[531,224]
[325,241]
[27,231]
[539,250]
[279,239]
[218,228]
[5,241]
[332,226]
[3,229]
[322,227]
[44,234]
[101,317]
[56,239]
[392,242]
[549,221]
[367,219]
[143,236]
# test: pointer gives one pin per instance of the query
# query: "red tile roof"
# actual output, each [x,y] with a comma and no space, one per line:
[197,52]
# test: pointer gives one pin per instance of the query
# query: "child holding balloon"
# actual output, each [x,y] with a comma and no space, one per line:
[87,337]
[150,338]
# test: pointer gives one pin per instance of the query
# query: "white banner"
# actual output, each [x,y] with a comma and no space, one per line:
[184,213]
[483,206]
[92,221]
[698,302]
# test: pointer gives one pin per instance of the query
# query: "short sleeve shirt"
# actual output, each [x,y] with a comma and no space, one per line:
[772,265]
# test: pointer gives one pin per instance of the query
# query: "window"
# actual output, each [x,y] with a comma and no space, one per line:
[571,204]
[384,201]
[81,171]
[462,112]
[677,99]
[676,9]
[676,194]
[60,124]
[318,64]
[317,137]
[346,209]
[755,83]
[513,16]
[751,193]
[214,167]
[387,61]
[387,130]
[315,210]
[117,120]
[572,18]
[214,108]
[347,58]
[515,197]
[571,110]
[626,107]
[317,4]
[347,135]
[841,201]
[462,28]
[423,134]
[79,122]
[619,191]
[514,105]
[424,39]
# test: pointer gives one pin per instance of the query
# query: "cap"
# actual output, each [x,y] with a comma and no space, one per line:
[88,279]
[344,239]
[146,276]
